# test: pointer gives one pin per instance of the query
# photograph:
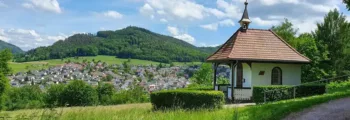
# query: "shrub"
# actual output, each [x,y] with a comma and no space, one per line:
[26,97]
[54,95]
[78,93]
[338,86]
[134,95]
[199,87]
[187,99]
[105,93]
[282,92]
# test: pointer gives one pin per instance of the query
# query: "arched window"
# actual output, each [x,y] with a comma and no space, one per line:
[276,76]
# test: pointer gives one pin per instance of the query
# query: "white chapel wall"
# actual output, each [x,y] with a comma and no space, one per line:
[291,73]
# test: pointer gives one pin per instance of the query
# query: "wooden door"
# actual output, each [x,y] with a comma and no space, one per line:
[239,75]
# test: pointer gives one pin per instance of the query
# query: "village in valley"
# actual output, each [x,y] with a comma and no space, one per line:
[122,76]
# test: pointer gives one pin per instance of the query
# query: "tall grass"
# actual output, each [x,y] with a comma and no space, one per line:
[122,112]
[270,111]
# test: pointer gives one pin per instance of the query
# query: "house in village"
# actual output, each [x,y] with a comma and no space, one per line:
[256,57]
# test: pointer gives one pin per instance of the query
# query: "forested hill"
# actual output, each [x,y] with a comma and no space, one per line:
[13,48]
[130,42]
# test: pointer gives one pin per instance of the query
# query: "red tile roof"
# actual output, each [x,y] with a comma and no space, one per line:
[257,45]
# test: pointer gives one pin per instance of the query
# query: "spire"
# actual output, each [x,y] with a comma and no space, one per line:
[245,18]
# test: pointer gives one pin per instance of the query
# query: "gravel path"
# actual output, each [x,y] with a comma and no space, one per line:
[333,110]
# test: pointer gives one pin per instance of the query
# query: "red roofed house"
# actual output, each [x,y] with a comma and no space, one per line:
[257,57]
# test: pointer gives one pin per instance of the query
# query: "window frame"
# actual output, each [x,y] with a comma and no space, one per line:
[280,77]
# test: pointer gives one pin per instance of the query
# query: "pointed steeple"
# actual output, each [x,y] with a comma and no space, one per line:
[245,21]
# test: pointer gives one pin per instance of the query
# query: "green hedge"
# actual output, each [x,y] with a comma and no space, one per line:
[187,99]
[282,92]
[200,88]
[310,90]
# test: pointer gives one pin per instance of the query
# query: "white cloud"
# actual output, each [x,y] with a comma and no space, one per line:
[163,20]
[216,12]
[274,2]
[348,18]
[174,31]
[307,25]
[262,22]
[28,39]
[186,37]
[47,5]
[28,5]
[214,26]
[179,9]
[2,35]
[161,12]
[112,14]
[232,11]
[322,8]
[146,10]
[205,45]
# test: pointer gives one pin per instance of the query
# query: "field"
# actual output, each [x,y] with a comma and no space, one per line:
[270,111]
[22,67]
[119,112]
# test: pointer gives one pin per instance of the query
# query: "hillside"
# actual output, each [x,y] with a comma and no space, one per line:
[130,42]
[14,49]
[209,49]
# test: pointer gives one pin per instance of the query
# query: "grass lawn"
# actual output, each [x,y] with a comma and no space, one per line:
[119,112]
[36,65]
[270,111]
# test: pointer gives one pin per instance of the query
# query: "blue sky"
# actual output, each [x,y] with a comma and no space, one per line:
[32,23]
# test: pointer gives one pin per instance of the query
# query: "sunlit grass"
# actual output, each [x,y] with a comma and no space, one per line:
[270,111]
[36,65]
[123,112]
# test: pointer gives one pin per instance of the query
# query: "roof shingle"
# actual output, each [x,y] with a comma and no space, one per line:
[257,45]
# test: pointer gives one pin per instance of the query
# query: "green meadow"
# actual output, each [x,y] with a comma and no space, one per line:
[270,111]
[36,65]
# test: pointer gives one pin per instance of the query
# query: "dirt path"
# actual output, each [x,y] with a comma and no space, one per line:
[333,110]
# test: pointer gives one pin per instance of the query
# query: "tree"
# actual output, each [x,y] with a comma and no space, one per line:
[54,95]
[109,77]
[204,76]
[6,56]
[305,44]
[223,80]
[25,97]
[332,37]
[347,2]
[78,93]
[105,92]
[4,86]
[286,31]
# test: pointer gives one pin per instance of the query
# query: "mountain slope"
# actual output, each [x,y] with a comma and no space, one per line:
[130,42]
[209,49]
[13,48]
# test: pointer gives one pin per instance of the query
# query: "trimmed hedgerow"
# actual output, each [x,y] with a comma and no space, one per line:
[283,92]
[187,99]
[310,90]
[200,88]
[280,92]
